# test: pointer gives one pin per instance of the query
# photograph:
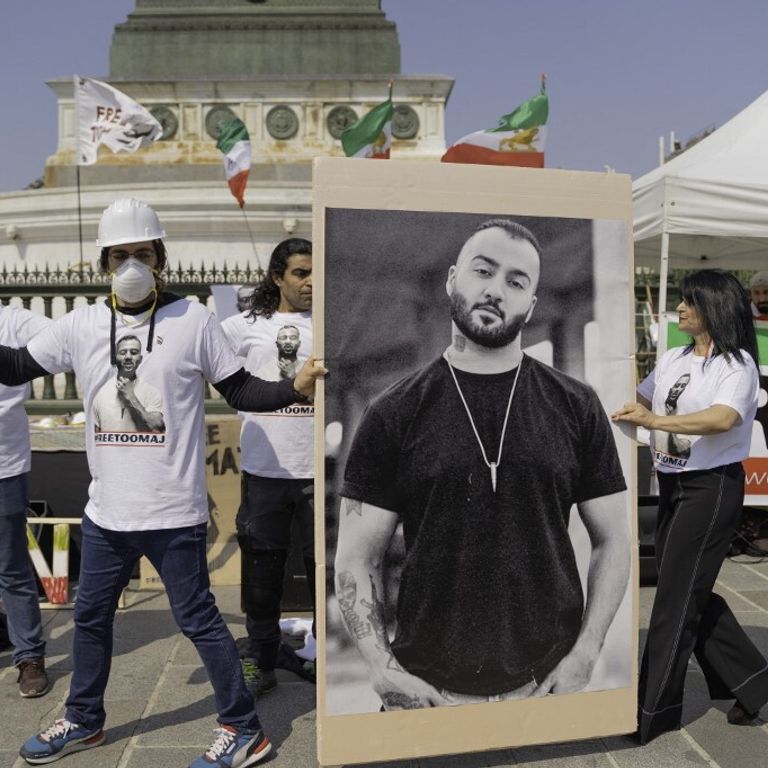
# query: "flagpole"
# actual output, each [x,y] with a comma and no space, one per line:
[253,242]
[80,221]
[78,162]
[78,156]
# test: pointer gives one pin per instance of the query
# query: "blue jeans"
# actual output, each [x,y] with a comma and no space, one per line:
[18,587]
[107,560]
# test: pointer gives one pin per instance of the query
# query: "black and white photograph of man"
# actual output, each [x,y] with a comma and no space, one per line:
[472,453]
[286,362]
[677,445]
[127,403]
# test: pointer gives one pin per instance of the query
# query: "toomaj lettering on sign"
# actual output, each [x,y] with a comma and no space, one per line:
[129,438]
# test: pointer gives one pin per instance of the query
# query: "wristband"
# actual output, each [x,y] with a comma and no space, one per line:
[300,398]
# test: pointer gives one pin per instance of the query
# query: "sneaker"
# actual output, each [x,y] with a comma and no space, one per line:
[234,749]
[60,739]
[288,659]
[309,671]
[32,680]
[258,681]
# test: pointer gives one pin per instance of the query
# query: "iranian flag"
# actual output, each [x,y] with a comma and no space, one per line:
[518,139]
[371,136]
[235,143]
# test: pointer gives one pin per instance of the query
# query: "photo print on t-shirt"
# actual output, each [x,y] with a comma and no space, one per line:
[285,364]
[128,410]
[677,445]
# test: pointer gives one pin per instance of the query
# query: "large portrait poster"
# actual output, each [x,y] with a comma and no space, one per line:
[476,532]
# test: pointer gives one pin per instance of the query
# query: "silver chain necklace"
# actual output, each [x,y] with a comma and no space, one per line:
[492,465]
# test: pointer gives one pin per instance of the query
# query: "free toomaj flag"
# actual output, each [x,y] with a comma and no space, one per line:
[235,143]
[107,116]
[371,136]
[518,139]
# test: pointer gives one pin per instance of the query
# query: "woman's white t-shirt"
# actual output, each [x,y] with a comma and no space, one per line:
[143,478]
[682,383]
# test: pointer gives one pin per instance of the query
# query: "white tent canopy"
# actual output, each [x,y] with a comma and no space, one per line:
[709,205]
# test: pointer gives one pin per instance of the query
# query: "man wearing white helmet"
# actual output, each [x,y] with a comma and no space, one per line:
[758,290]
[18,587]
[148,494]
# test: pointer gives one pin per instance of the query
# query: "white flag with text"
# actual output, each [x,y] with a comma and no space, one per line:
[107,116]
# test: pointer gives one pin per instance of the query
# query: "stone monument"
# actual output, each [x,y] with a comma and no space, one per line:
[297,72]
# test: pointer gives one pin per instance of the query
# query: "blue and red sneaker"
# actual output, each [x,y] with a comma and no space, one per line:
[61,739]
[234,749]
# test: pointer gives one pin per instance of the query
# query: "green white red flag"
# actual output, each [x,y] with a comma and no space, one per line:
[107,116]
[235,143]
[371,136]
[518,139]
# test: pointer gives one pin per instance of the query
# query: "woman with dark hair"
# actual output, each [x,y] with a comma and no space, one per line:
[713,385]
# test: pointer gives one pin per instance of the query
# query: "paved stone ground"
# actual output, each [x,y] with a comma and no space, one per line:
[160,705]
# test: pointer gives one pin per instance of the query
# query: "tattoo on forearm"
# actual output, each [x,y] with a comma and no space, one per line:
[346,594]
[396,700]
[353,505]
[376,619]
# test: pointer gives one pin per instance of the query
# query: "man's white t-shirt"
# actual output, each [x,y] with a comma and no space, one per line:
[686,383]
[278,444]
[17,327]
[144,480]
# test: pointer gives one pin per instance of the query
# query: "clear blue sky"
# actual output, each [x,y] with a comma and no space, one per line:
[621,72]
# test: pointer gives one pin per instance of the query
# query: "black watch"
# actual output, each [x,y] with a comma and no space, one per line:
[300,398]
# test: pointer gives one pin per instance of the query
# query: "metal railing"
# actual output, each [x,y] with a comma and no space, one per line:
[87,284]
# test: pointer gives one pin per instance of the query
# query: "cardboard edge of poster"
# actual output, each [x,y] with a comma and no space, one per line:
[473,727]
[408,185]
[416,186]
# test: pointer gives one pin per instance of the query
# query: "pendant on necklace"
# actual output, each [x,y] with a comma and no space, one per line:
[492,465]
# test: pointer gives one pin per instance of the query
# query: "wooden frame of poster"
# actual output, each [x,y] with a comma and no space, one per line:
[385,235]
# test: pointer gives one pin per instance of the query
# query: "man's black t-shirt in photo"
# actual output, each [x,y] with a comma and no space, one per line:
[490,596]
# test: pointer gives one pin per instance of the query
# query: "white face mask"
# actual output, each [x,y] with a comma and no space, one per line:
[133,281]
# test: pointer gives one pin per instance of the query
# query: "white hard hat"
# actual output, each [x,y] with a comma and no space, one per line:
[128,220]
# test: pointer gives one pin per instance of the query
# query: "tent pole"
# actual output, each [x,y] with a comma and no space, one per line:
[661,347]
